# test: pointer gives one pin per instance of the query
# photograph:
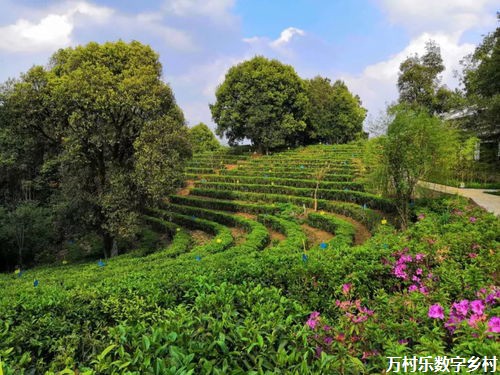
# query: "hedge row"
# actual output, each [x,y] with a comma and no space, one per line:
[344,231]
[295,241]
[297,175]
[181,240]
[199,170]
[359,197]
[367,216]
[257,238]
[274,168]
[223,237]
[301,183]
[224,205]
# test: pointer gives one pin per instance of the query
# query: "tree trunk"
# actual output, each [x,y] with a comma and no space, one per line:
[108,244]
[114,249]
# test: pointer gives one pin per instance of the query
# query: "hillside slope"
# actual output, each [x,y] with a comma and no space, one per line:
[274,287]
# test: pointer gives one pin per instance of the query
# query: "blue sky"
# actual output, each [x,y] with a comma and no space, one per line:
[359,41]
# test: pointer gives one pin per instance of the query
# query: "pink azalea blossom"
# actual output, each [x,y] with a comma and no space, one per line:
[475,318]
[423,290]
[477,307]
[494,324]
[461,308]
[436,311]
[421,217]
[472,255]
[472,219]
[412,288]
[328,340]
[346,288]
[419,257]
[419,271]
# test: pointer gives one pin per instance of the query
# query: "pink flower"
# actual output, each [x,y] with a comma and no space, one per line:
[421,217]
[313,320]
[472,255]
[318,351]
[412,288]
[494,324]
[419,271]
[472,219]
[328,340]
[415,279]
[419,257]
[475,318]
[436,311]
[477,307]
[346,288]
[461,308]
[423,290]
[327,328]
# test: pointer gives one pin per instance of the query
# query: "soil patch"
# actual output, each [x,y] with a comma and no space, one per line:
[230,167]
[200,237]
[316,236]
[239,235]
[186,190]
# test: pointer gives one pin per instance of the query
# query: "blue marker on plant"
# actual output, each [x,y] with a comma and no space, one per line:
[385,246]
[323,245]
[304,257]
[198,258]
[101,263]
[35,283]
[302,167]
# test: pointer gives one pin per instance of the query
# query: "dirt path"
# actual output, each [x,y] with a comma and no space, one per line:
[316,236]
[200,237]
[185,191]
[489,202]
[273,235]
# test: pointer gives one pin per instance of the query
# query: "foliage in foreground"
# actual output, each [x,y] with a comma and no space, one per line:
[189,314]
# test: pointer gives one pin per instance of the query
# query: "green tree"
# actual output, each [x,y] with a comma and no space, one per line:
[416,145]
[203,139]
[97,106]
[481,78]
[419,81]
[335,115]
[261,100]
[28,230]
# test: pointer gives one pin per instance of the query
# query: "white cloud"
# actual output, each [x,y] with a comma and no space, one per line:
[280,45]
[376,85]
[441,15]
[50,32]
[286,36]
[216,9]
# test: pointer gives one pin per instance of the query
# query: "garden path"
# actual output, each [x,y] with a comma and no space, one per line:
[487,201]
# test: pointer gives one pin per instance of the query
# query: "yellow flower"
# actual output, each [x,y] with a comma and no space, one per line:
[218,240]
[322,213]
[177,229]
[17,271]
[384,221]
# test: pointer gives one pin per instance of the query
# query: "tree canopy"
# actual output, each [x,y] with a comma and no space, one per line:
[335,115]
[419,81]
[481,78]
[202,138]
[261,100]
[103,129]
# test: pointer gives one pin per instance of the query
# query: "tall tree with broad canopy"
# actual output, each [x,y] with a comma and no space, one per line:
[261,100]
[419,81]
[335,115]
[113,129]
[203,139]
[481,78]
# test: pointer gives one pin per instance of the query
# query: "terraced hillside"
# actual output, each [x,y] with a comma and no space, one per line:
[256,245]
[312,193]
